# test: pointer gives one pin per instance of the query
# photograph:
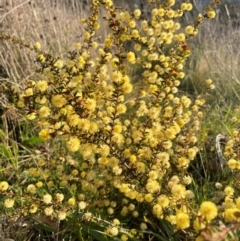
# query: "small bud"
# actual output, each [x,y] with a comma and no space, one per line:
[211,14]
[37,45]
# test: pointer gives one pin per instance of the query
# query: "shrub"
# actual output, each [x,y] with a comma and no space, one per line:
[119,150]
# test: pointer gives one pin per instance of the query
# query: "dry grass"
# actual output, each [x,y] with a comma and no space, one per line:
[217,57]
[56,27]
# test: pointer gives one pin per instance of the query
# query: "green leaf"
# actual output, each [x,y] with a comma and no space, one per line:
[5,151]
[166,228]
[94,233]
[33,141]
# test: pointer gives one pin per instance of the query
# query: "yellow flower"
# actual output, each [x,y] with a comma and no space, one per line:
[189,7]
[148,197]
[73,120]
[81,62]
[47,198]
[198,225]
[41,100]
[170,3]
[153,186]
[192,153]
[182,220]
[121,109]
[163,200]
[84,125]
[73,144]
[153,112]
[108,3]
[187,180]
[113,231]
[44,134]
[157,210]
[131,57]
[33,208]
[180,37]
[29,92]
[104,150]
[82,205]
[41,85]
[189,30]
[109,41]
[153,88]
[31,116]
[8,203]
[124,237]
[116,76]
[61,215]
[228,202]
[232,214]
[87,35]
[41,58]
[199,238]
[71,202]
[229,191]
[163,157]
[137,13]
[20,104]
[211,87]
[232,164]
[78,46]
[237,201]
[184,6]
[178,191]
[39,184]
[58,101]
[126,88]
[93,127]
[208,210]
[37,45]
[131,207]
[117,170]
[132,158]
[185,101]
[115,62]
[208,81]
[211,14]
[48,211]
[167,144]
[31,188]
[143,226]
[183,162]
[137,136]
[140,167]
[118,138]
[44,112]
[3,186]
[132,24]
[90,104]
[59,197]
[41,162]
[96,26]
[103,160]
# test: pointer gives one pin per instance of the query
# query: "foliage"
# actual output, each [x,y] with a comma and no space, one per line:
[120,150]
